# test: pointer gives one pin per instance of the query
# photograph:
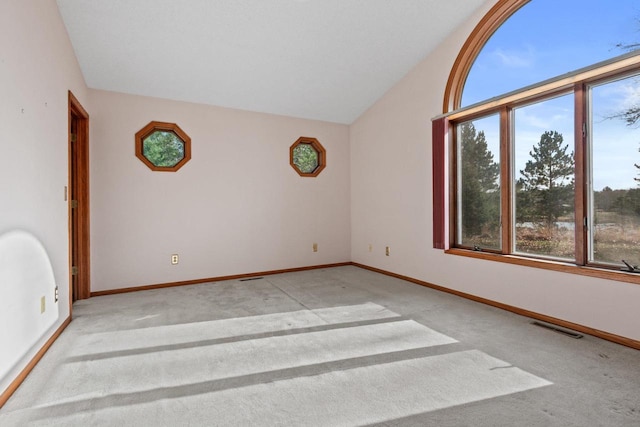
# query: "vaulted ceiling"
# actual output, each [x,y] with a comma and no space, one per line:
[319,59]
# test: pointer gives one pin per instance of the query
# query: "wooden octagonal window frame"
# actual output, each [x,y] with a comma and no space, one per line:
[315,144]
[154,126]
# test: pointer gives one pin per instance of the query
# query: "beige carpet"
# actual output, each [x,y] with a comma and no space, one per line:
[343,347]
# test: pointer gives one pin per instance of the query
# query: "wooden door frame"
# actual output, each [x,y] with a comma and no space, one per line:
[80,158]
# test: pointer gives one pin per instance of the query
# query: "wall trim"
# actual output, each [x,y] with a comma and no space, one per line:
[522,312]
[6,394]
[214,279]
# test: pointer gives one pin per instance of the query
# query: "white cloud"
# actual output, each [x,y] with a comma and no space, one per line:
[550,119]
[612,98]
[515,59]
[630,92]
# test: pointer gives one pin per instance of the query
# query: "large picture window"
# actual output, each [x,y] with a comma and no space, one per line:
[545,160]
[557,177]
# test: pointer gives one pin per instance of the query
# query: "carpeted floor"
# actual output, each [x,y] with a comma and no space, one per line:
[335,347]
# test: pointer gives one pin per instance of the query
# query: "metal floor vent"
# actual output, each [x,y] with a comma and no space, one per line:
[251,278]
[559,330]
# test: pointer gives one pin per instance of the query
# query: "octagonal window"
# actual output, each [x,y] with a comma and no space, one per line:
[307,156]
[163,146]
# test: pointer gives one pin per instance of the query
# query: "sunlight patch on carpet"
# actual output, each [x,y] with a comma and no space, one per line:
[350,365]
[215,329]
[210,362]
[344,398]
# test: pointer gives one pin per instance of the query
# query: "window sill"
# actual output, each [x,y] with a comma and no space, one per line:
[563,267]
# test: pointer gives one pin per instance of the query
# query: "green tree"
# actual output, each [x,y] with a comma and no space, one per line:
[480,186]
[603,200]
[545,190]
[163,149]
[628,202]
[305,157]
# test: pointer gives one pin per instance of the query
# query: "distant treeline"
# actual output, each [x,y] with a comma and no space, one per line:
[620,201]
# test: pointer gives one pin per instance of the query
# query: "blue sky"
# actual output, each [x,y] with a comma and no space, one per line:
[547,38]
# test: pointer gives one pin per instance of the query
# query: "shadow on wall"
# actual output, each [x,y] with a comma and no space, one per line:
[27,296]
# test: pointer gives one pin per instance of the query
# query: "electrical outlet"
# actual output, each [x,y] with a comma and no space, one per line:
[370,247]
[315,247]
[387,251]
[175,259]
[42,304]
[56,294]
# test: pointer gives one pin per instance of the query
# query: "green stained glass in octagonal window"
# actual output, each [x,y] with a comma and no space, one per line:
[163,148]
[305,157]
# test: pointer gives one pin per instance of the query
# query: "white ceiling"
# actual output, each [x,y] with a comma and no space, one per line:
[319,59]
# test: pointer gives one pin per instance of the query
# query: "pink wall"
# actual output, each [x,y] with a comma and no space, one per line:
[391,206]
[37,68]
[237,207]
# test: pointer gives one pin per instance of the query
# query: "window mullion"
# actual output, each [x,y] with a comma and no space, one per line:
[580,151]
[506,191]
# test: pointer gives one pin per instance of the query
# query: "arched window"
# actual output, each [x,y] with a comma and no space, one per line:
[542,109]
[524,42]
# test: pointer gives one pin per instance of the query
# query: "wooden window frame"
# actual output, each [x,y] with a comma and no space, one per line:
[322,156]
[164,127]
[444,133]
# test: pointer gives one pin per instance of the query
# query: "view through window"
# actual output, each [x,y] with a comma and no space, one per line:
[615,167]
[163,148]
[544,176]
[555,174]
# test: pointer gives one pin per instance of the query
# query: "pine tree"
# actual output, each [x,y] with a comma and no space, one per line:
[479,186]
[546,189]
